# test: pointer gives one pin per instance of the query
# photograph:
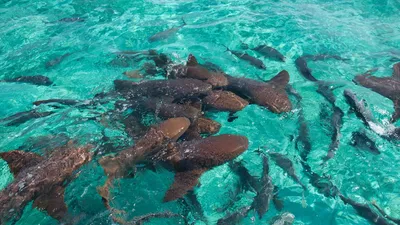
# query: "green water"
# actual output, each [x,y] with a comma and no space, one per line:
[365,31]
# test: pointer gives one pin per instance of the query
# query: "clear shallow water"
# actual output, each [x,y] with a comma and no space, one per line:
[367,32]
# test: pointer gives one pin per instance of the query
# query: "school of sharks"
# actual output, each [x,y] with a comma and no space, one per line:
[183,140]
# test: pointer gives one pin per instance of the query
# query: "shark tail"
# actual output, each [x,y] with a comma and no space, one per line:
[184,22]
[227,49]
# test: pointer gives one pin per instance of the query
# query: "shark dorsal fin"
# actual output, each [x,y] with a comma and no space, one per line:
[52,202]
[192,61]
[183,182]
[18,160]
[396,71]
[281,79]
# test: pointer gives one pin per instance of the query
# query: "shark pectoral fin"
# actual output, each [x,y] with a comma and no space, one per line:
[112,166]
[396,114]
[396,71]
[18,160]
[184,181]
[192,61]
[52,202]
[278,202]
[281,79]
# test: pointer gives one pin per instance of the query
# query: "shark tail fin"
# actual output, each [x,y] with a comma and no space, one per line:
[183,182]
[183,22]
[18,160]
[227,49]
[52,202]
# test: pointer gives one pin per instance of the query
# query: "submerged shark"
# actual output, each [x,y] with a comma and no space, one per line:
[287,165]
[246,57]
[191,159]
[336,124]
[179,88]
[265,190]
[270,94]
[41,180]
[269,52]
[166,33]
[388,87]
[36,80]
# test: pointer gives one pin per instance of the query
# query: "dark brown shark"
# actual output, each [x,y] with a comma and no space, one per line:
[191,159]
[165,108]
[388,87]
[180,88]
[271,94]
[119,166]
[41,180]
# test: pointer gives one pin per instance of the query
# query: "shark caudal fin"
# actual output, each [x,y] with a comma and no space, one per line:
[19,160]
[396,71]
[227,49]
[183,182]
[192,61]
[52,202]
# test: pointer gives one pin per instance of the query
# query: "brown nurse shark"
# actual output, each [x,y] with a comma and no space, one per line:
[41,180]
[389,87]
[270,94]
[192,158]
[176,89]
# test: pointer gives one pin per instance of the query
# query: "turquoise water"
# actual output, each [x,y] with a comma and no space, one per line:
[366,32]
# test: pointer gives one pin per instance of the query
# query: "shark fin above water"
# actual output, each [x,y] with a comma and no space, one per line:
[52,202]
[183,182]
[281,79]
[192,61]
[18,160]
[396,71]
